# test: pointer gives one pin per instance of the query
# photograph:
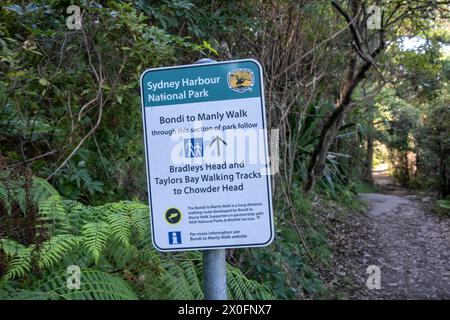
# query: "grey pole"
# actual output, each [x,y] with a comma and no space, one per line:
[214,274]
[214,266]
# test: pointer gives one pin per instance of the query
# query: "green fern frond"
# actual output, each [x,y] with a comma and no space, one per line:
[183,274]
[53,213]
[4,195]
[53,209]
[18,193]
[119,255]
[140,217]
[19,264]
[94,285]
[242,288]
[13,188]
[42,190]
[8,288]
[75,211]
[18,259]
[95,236]
[93,214]
[12,191]
[10,247]
[120,222]
[52,251]
[181,279]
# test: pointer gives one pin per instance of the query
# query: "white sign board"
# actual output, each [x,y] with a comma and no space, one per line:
[207,156]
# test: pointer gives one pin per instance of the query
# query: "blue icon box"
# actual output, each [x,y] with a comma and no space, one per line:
[193,148]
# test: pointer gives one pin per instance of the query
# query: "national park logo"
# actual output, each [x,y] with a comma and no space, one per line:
[241,80]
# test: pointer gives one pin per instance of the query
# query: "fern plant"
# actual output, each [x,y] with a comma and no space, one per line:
[94,285]
[110,244]
[182,280]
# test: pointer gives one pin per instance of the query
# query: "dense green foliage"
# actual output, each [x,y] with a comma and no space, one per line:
[84,78]
[413,118]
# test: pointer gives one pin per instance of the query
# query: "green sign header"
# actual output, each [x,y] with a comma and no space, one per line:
[201,83]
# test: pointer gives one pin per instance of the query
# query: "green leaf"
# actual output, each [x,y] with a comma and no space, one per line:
[208,46]
[43,82]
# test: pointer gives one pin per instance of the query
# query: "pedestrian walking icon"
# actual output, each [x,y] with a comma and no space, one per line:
[193,148]
[174,237]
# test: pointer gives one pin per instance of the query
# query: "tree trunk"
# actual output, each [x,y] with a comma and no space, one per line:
[318,159]
[355,73]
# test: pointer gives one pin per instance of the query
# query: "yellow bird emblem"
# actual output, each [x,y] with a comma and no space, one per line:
[241,80]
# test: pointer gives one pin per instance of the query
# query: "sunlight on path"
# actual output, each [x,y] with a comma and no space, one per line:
[380,168]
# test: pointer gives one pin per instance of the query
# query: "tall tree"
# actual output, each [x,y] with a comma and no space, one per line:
[366,45]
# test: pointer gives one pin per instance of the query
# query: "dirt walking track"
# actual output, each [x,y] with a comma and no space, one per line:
[410,245]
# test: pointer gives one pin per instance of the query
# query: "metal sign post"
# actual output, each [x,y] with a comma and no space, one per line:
[214,261]
[207,161]
[214,274]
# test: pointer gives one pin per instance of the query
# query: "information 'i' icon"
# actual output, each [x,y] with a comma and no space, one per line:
[174,237]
